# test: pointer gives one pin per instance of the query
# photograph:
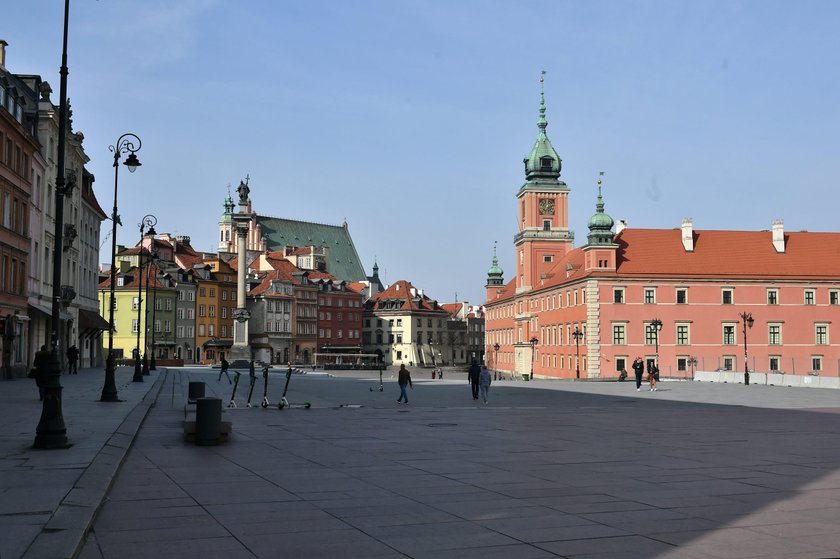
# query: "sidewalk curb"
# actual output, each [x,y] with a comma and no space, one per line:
[64,534]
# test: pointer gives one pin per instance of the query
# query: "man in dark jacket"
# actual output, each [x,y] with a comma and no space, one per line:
[472,377]
[403,379]
[638,370]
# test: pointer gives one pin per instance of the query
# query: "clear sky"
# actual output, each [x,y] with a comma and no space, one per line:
[410,119]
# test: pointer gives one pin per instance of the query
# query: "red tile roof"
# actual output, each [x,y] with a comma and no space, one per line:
[401,291]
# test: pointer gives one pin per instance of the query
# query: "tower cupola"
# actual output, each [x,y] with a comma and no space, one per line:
[600,224]
[495,273]
[543,161]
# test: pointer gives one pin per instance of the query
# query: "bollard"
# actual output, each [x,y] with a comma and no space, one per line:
[195,391]
[208,421]
[433,374]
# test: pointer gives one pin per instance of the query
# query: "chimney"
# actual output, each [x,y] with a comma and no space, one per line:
[688,234]
[413,292]
[620,226]
[3,45]
[779,235]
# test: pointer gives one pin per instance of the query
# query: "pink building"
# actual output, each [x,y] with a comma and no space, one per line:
[681,297]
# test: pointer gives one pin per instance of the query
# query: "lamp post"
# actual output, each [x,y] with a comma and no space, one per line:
[534,342]
[577,334]
[51,433]
[125,144]
[496,347]
[146,313]
[747,318]
[692,362]
[656,325]
[153,364]
[150,221]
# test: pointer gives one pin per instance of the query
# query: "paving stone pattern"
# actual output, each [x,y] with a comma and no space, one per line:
[547,469]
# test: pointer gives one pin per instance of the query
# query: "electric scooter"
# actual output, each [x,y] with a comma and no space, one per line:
[284,403]
[253,378]
[381,388]
[232,403]
[264,403]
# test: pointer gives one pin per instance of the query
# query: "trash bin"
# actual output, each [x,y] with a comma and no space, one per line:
[208,421]
[526,376]
[195,391]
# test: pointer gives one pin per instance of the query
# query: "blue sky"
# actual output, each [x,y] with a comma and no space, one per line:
[410,119]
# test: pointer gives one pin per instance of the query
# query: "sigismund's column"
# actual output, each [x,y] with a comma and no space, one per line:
[240,353]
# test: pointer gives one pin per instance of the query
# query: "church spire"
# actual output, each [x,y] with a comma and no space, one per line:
[543,161]
[600,224]
[495,273]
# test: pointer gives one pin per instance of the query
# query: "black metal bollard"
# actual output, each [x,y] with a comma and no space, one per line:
[208,421]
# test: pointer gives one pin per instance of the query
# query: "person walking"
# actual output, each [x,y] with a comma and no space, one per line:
[224,371]
[42,359]
[72,360]
[652,371]
[638,370]
[484,383]
[403,379]
[472,378]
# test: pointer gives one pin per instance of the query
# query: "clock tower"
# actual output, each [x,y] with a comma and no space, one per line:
[544,236]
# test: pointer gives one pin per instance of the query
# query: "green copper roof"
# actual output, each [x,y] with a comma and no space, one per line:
[543,161]
[343,262]
[227,217]
[495,270]
[600,224]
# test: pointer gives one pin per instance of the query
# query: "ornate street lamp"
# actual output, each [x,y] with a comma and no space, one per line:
[153,364]
[51,432]
[577,335]
[747,318]
[125,144]
[496,347]
[150,221]
[692,362]
[533,342]
[656,325]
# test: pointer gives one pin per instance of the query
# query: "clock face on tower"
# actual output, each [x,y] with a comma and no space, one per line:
[546,206]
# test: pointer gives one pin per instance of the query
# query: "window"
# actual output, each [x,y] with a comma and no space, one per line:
[135,302]
[774,363]
[224,295]
[619,334]
[399,338]
[620,363]
[212,291]
[816,363]
[201,292]
[809,296]
[545,163]
[120,281]
[399,322]
[822,334]
[618,295]
[728,363]
[682,296]
[650,296]
[201,310]
[728,334]
[548,258]
[772,296]
[682,364]
[726,296]
[211,329]
[834,297]
[546,225]
[682,334]
[212,310]
[200,329]
[134,325]
[774,334]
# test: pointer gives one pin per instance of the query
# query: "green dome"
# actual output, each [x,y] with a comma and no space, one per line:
[600,224]
[227,217]
[495,273]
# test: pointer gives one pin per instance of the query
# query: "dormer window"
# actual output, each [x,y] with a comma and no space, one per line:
[545,163]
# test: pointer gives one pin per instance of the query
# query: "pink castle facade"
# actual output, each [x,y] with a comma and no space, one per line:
[680,297]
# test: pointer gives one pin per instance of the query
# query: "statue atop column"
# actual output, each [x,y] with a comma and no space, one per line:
[243,189]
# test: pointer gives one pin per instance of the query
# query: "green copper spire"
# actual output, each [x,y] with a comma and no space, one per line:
[495,273]
[543,161]
[227,217]
[600,224]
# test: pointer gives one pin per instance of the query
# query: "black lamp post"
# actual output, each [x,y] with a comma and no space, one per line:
[577,335]
[496,347]
[534,342]
[656,325]
[747,318]
[125,144]
[150,221]
[692,362]
[145,369]
[152,364]
[51,432]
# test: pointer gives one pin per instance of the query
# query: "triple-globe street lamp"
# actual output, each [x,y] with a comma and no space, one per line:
[656,326]
[577,334]
[127,143]
[533,342]
[496,347]
[748,321]
[148,221]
